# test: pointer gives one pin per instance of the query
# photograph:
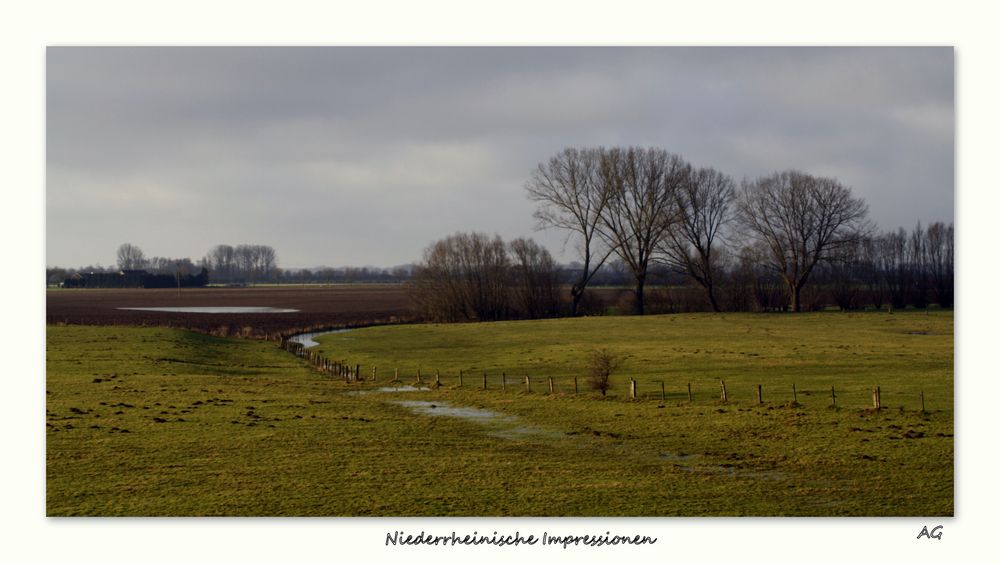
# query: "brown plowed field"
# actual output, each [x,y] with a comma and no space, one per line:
[319,307]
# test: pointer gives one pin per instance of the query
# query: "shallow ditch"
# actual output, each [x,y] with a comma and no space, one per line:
[307,339]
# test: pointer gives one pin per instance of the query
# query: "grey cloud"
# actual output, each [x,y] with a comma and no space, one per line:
[365,155]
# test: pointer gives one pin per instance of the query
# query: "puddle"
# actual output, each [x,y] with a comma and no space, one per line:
[306,338]
[216,310]
[400,389]
[501,425]
[444,409]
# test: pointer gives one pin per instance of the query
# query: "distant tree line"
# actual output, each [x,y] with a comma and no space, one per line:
[225,264]
[785,241]
[346,274]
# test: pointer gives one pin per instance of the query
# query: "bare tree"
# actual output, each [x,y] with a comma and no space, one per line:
[267,261]
[131,257]
[571,197]
[917,261]
[845,275]
[533,279]
[221,260]
[463,277]
[941,262]
[801,219]
[641,184]
[893,268]
[869,270]
[702,206]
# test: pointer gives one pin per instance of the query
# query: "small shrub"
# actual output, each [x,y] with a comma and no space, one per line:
[601,364]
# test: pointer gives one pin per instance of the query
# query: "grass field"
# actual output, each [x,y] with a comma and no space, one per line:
[149,421]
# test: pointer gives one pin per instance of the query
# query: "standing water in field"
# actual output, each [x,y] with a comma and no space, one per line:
[500,425]
[306,338]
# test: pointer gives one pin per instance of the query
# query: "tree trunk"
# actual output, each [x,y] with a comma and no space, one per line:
[796,291]
[577,294]
[711,298]
[640,301]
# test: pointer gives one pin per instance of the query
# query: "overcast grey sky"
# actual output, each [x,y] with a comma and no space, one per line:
[363,156]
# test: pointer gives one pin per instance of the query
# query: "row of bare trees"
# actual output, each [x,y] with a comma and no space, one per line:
[244,263]
[648,207]
[475,277]
[896,269]
[131,257]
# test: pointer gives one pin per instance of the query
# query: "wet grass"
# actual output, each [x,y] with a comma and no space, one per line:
[169,422]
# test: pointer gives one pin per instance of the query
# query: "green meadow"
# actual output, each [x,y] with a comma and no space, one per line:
[148,421]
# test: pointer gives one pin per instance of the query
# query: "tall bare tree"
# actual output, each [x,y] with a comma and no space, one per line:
[702,206]
[916,247]
[641,184]
[801,219]
[221,260]
[896,274]
[533,279]
[131,257]
[941,262]
[571,197]
[267,261]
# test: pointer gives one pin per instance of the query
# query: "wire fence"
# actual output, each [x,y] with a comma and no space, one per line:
[698,391]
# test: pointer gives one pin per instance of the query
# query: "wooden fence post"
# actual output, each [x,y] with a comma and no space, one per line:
[795,395]
[760,398]
[418,376]
[552,388]
[460,382]
[437,377]
[576,388]
[395,374]
[689,392]
[357,372]
[484,380]
[527,383]
[833,396]
[503,381]
[374,374]
[632,389]
[724,396]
